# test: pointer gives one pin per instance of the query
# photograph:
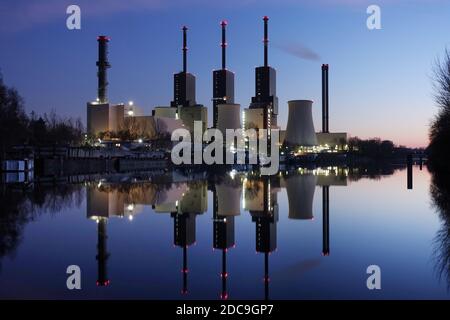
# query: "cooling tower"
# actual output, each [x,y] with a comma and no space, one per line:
[229,117]
[300,126]
[300,191]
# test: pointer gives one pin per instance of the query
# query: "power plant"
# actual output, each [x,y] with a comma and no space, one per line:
[101,116]
[263,110]
[223,82]
[226,114]
[183,82]
[299,137]
[183,198]
[184,105]
[329,141]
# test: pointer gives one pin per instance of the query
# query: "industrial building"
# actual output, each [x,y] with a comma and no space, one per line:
[183,110]
[263,110]
[328,141]
[228,116]
[300,134]
[132,110]
[223,85]
[332,141]
[184,82]
[188,115]
[300,126]
[167,112]
[184,95]
[101,116]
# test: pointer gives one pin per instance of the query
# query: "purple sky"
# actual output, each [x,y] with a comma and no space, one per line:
[380,80]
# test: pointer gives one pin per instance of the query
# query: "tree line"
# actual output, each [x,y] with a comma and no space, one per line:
[378,149]
[439,147]
[18,128]
[439,163]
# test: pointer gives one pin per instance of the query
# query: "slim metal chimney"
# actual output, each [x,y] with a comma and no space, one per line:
[185,49]
[103,66]
[325,127]
[224,44]
[266,41]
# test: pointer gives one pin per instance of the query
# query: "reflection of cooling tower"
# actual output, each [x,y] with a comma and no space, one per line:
[300,126]
[228,200]
[300,192]
[228,117]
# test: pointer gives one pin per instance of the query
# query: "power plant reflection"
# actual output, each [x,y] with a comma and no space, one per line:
[184,196]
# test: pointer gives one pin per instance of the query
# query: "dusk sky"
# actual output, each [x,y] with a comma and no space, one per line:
[380,80]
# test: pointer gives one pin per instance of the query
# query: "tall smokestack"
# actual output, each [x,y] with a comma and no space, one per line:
[325,117]
[224,44]
[102,65]
[185,49]
[266,41]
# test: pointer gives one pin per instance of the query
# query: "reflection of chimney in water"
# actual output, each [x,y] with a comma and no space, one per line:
[266,230]
[184,271]
[184,236]
[102,253]
[223,232]
[266,276]
[224,275]
[409,172]
[325,220]
[325,99]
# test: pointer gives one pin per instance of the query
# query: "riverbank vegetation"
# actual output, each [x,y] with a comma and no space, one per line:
[18,128]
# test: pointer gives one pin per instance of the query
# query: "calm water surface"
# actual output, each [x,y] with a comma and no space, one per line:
[300,235]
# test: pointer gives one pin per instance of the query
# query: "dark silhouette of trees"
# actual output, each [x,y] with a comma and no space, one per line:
[439,164]
[20,207]
[13,120]
[373,148]
[62,130]
[378,149]
[439,147]
[16,128]
[440,194]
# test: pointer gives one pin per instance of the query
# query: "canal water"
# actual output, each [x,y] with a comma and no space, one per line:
[302,234]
